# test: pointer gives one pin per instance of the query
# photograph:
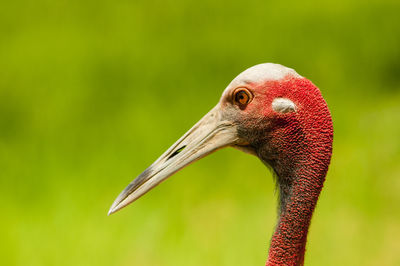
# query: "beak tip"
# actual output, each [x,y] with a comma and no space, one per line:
[114,208]
[121,201]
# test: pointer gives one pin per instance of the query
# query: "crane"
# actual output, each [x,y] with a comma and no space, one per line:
[271,112]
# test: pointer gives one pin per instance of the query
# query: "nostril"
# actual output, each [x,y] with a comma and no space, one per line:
[176,152]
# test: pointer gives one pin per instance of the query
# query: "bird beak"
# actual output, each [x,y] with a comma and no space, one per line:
[212,132]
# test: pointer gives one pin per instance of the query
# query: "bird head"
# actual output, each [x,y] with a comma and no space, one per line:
[269,111]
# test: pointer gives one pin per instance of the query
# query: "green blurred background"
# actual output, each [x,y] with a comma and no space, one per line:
[91,92]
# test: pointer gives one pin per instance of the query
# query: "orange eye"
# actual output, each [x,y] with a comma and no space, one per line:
[242,96]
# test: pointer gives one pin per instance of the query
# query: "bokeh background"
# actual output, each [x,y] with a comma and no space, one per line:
[91,92]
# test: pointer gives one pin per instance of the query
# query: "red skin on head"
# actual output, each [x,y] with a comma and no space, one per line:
[299,149]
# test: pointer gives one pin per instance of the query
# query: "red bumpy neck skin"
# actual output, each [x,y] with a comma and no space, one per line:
[299,150]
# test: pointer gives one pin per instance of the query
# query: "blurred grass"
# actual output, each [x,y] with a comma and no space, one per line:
[92,92]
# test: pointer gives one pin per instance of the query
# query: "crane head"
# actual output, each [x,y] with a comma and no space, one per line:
[268,110]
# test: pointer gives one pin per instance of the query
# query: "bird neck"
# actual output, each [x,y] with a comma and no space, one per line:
[301,167]
[300,174]
[289,240]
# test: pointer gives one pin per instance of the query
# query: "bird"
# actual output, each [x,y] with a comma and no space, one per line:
[271,112]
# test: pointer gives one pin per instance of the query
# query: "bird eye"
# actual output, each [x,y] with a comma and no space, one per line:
[242,97]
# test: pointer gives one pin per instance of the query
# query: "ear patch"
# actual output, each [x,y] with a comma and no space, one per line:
[283,105]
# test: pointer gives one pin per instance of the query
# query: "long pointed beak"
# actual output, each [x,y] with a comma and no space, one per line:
[212,132]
